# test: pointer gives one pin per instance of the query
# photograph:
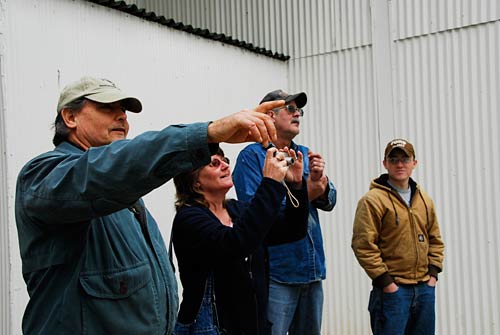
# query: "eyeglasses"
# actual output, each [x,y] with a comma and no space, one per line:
[290,109]
[404,160]
[217,162]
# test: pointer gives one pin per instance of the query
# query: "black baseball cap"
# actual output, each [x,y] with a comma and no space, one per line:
[299,98]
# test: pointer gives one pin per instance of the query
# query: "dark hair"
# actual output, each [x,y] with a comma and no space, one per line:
[61,130]
[186,193]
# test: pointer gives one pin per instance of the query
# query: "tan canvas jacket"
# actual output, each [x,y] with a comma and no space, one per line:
[394,242]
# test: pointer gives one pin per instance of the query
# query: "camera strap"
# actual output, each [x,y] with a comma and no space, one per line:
[295,202]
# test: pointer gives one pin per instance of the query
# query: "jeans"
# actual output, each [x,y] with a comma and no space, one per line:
[295,308]
[410,310]
[206,322]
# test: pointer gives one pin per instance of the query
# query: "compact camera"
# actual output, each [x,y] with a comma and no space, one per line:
[289,160]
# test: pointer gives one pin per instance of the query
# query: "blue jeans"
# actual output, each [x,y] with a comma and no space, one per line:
[410,310]
[295,308]
[205,322]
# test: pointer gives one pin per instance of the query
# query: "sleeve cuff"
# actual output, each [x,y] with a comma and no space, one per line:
[434,270]
[383,280]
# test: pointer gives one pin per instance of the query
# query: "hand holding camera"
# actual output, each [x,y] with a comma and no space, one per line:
[275,166]
[295,169]
[285,165]
[284,155]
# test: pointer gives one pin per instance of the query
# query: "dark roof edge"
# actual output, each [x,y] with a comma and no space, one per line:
[205,33]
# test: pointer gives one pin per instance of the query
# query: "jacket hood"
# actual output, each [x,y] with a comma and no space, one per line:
[382,182]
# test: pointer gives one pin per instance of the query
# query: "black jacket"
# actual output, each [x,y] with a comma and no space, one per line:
[237,256]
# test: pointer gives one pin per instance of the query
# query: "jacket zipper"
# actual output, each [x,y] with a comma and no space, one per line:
[250,274]
[414,227]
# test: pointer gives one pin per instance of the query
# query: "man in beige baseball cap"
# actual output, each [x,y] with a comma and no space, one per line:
[93,257]
[98,90]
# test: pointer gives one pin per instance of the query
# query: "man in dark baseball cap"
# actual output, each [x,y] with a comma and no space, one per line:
[297,269]
[299,98]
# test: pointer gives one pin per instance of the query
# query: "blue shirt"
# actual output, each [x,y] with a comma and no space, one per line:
[298,262]
[93,258]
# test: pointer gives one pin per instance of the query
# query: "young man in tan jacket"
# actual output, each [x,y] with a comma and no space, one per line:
[397,241]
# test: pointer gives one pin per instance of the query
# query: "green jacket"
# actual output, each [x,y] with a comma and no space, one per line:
[93,258]
[394,242]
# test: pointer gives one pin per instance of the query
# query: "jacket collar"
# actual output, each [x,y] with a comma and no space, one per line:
[68,147]
[383,180]
[293,146]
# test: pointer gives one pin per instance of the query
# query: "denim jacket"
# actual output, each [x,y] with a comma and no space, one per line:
[298,262]
[93,258]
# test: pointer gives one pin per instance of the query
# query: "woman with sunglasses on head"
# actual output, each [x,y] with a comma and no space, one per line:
[220,243]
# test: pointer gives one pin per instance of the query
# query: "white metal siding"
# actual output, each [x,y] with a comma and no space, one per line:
[340,123]
[447,97]
[445,87]
[4,227]
[416,18]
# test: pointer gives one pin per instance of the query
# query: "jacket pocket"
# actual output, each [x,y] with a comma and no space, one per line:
[119,301]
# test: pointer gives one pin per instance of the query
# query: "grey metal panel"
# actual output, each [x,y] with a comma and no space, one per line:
[4,213]
[416,18]
[5,193]
[298,28]
[340,123]
[447,100]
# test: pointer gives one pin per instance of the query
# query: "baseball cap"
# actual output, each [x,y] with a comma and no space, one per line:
[402,144]
[98,90]
[299,98]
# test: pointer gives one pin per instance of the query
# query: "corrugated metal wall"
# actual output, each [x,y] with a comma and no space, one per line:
[446,76]
[4,228]
[425,70]
[295,27]
[4,203]
[341,124]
